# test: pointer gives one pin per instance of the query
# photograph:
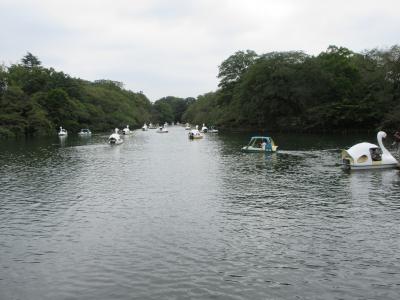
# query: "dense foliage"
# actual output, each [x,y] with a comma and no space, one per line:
[35,101]
[337,90]
[170,109]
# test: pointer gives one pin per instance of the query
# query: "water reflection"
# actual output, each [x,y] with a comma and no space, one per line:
[62,140]
[162,217]
[374,185]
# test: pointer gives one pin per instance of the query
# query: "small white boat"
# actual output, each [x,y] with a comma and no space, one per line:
[126,130]
[62,132]
[115,138]
[151,126]
[213,130]
[165,124]
[162,129]
[260,144]
[195,134]
[144,127]
[204,128]
[85,132]
[369,156]
[187,127]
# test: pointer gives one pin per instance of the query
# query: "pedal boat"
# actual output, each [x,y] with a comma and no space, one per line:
[260,144]
[365,155]
[115,138]
[195,134]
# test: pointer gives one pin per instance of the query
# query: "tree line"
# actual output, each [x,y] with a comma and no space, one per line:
[35,100]
[337,90]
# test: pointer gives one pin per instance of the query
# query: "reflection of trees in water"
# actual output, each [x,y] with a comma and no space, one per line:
[374,185]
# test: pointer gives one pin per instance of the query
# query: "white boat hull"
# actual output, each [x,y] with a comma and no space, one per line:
[370,167]
[251,149]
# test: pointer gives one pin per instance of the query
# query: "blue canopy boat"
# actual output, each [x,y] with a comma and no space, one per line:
[260,144]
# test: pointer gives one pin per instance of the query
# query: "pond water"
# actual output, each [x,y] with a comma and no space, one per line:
[163,217]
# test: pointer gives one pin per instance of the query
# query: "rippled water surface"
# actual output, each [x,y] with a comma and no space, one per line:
[162,217]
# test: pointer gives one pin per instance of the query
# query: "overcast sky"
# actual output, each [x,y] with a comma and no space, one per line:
[174,47]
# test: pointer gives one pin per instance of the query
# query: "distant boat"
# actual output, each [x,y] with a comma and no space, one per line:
[151,126]
[187,127]
[195,134]
[144,127]
[85,132]
[162,129]
[115,138]
[204,128]
[260,144]
[369,156]
[212,130]
[126,130]
[62,132]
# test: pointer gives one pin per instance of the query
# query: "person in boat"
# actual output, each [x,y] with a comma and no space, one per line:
[263,144]
[397,137]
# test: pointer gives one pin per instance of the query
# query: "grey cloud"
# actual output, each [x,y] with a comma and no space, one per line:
[174,47]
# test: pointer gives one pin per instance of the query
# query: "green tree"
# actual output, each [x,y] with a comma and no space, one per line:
[30,61]
[162,112]
[3,79]
[234,66]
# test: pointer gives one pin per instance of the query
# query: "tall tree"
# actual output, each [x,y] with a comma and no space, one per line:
[3,79]
[30,61]
[234,66]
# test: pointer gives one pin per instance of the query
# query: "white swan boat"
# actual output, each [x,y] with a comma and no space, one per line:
[369,156]
[187,127]
[126,130]
[115,138]
[144,127]
[260,144]
[195,134]
[62,132]
[151,126]
[162,129]
[85,132]
[213,130]
[204,128]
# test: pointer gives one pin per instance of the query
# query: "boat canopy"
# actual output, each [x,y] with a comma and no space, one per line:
[257,141]
[260,139]
[359,152]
